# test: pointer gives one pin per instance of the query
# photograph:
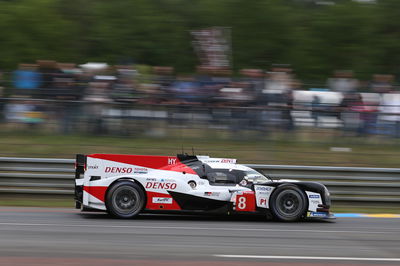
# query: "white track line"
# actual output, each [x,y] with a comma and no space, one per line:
[194,228]
[305,258]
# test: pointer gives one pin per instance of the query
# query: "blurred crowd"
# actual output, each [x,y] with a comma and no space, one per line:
[71,94]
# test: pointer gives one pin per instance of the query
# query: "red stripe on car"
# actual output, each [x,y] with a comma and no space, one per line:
[97,192]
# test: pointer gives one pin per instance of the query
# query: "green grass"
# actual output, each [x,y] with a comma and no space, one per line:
[37,202]
[302,148]
[354,208]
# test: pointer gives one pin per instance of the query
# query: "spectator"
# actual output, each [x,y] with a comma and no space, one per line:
[350,116]
[370,113]
[343,82]
[239,94]
[316,108]
[255,77]
[381,83]
[211,83]
[256,80]
[287,110]
[26,79]
[48,70]
[185,90]
[25,111]
[164,76]
[278,81]
[390,113]
[156,91]
[123,90]
[221,76]
[97,95]
[67,91]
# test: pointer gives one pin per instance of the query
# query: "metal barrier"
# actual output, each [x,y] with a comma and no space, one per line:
[351,184]
[43,176]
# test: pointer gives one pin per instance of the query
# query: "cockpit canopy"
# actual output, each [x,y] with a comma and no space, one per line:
[235,176]
[225,173]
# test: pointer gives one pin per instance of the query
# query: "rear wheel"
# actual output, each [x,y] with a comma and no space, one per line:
[125,199]
[288,203]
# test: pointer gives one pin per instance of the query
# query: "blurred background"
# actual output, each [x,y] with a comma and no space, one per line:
[279,82]
[305,89]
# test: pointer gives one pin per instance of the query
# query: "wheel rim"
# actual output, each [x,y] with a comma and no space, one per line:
[126,200]
[289,203]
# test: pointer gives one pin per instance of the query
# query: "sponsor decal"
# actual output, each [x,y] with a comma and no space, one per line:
[171,161]
[151,179]
[263,201]
[160,185]
[118,170]
[220,160]
[261,188]
[315,201]
[245,201]
[228,161]
[93,167]
[314,196]
[162,200]
[212,194]
[140,170]
[243,182]
[167,180]
[316,214]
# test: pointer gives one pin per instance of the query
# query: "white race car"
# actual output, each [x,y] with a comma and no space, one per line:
[126,185]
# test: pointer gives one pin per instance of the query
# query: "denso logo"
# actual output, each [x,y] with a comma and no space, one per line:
[160,185]
[263,188]
[119,170]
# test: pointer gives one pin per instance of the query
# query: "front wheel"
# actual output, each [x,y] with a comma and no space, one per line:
[288,203]
[125,199]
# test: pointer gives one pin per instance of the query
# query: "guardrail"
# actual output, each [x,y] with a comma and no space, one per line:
[45,176]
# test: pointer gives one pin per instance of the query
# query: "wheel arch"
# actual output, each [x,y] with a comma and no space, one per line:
[316,187]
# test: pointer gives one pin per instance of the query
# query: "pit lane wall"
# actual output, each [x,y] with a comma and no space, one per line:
[47,176]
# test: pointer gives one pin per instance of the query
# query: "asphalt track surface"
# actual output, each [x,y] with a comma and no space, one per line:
[41,236]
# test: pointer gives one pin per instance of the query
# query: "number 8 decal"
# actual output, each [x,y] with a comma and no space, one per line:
[241,203]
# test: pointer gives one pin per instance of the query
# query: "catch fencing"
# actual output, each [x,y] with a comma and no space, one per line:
[55,177]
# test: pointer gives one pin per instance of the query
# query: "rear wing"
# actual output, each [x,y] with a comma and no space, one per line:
[80,165]
[80,168]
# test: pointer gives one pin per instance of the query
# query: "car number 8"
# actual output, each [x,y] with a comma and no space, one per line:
[241,203]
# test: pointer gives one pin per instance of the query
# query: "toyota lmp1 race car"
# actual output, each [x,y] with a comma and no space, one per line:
[126,185]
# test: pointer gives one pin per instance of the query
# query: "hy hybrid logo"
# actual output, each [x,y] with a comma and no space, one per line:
[171,160]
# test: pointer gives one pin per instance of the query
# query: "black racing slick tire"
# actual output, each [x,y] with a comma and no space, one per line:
[125,199]
[288,203]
